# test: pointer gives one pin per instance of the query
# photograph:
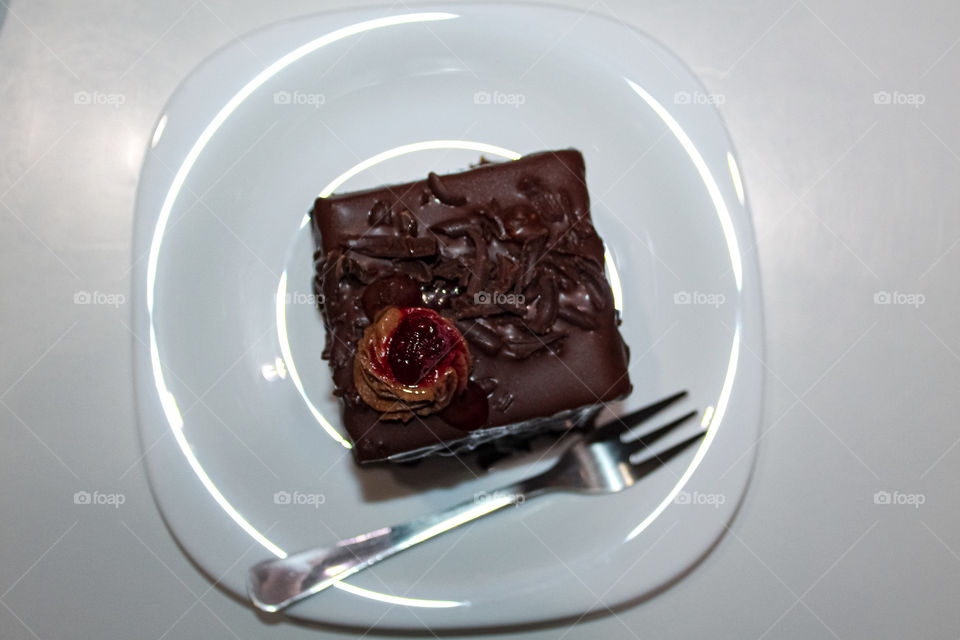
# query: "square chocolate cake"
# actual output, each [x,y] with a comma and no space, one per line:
[468,307]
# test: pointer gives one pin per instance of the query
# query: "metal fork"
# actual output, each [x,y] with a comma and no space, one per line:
[598,463]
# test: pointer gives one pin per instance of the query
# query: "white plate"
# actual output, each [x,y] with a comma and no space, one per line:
[238,424]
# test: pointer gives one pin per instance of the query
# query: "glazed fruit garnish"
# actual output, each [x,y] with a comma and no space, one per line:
[411,361]
[394,291]
[419,343]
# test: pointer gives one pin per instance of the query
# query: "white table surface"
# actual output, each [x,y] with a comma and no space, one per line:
[852,197]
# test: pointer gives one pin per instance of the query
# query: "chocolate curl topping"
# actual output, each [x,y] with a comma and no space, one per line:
[454,228]
[521,223]
[594,282]
[406,223]
[480,266]
[492,218]
[416,269]
[392,246]
[547,305]
[533,252]
[586,273]
[380,214]
[442,193]
[507,270]
[451,270]
[481,336]
[333,265]
[351,267]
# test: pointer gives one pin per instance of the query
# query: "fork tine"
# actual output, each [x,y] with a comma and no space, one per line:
[644,467]
[647,439]
[624,423]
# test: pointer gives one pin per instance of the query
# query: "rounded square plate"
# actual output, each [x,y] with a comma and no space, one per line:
[240,431]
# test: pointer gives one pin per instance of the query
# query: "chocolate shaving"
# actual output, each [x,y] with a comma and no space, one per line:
[340,353]
[507,270]
[596,285]
[533,251]
[442,194]
[522,223]
[392,246]
[335,263]
[514,305]
[416,269]
[570,249]
[487,219]
[547,305]
[563,265]
[493,218]
[352,267]
[584,272]
[481,336]
[480,270]
[454,228]
[565,283]
[406,223]
[379,214]
[449,269]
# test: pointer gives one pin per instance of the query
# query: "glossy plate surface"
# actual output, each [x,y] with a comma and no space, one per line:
[240,431]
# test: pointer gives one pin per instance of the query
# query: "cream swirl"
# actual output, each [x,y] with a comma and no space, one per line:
[410,361]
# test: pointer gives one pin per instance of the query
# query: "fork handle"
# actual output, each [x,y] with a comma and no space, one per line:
[276,584]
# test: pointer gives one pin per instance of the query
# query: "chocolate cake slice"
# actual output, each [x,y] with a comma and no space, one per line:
[467,307]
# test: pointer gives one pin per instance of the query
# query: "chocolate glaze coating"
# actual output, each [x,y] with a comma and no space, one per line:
[507,251]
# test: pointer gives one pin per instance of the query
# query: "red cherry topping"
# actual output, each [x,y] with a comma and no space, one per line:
[420,343]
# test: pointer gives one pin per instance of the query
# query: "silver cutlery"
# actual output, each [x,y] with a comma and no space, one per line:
[599,462]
